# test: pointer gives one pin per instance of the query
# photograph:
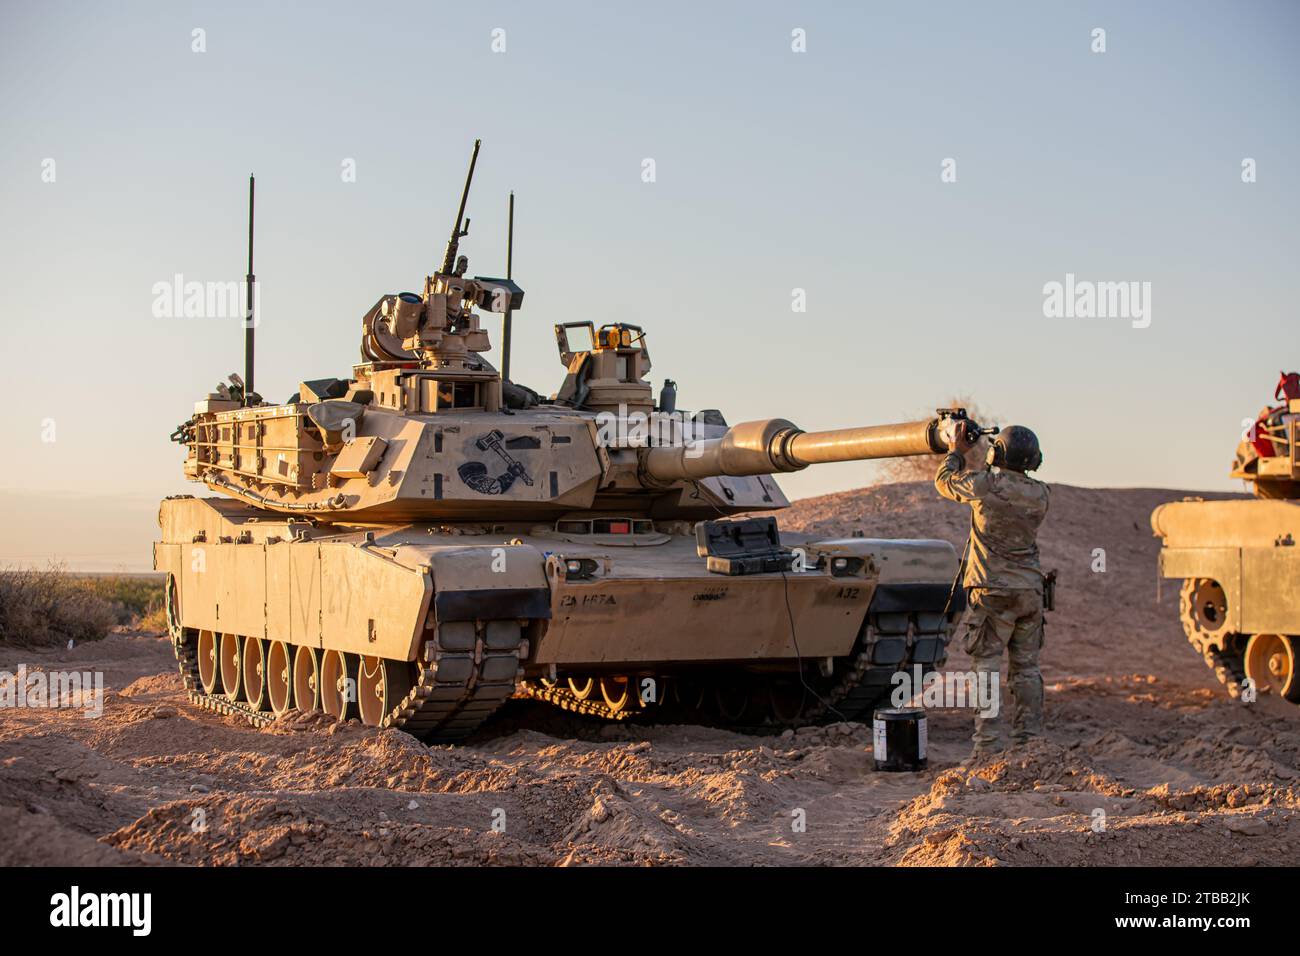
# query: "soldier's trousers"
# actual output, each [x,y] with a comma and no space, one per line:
[1007,619]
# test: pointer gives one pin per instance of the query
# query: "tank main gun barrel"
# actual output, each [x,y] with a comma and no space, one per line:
[868,442]
[776,445]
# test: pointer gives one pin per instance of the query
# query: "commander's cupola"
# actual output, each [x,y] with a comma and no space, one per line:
[421,352]
[424,350]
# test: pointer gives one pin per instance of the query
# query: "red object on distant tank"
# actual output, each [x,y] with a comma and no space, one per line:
[1260,441]
[1288,387]
[1287,390]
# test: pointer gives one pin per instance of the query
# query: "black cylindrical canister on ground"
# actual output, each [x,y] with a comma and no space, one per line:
[898,738]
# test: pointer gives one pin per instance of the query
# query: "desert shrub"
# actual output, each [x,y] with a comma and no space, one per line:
[134,595]
[154,619]
[50,606]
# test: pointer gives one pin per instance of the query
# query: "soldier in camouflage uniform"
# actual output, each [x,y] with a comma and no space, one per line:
[1003,580]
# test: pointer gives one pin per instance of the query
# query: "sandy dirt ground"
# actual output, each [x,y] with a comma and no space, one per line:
[1137,729]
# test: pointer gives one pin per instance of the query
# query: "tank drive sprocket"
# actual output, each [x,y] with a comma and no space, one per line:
[1203,609]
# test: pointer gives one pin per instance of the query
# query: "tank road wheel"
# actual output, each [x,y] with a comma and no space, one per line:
[279,677]
[371,687]
[306,679]
[787,700]
[689,694]
[381,685]
[1271,664]
[680,700]
[229,656]
[617,693]
[209,669]
[338,685]
[254,665]
[731,702]
[581,689]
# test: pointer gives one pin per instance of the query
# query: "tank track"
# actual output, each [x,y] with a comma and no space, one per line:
[1228,668]
[454,691]
[565,699]
[853,694]
[462,685]
[220,704]
[869,680]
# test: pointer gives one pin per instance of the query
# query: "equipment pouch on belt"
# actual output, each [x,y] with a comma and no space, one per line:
[1049,590]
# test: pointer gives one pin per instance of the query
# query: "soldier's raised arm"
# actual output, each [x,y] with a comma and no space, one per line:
[959,483]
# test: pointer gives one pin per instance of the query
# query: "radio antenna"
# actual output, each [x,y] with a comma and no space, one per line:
[249,321]
[505,323]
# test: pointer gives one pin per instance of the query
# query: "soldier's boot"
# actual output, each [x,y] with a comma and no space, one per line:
[988,724]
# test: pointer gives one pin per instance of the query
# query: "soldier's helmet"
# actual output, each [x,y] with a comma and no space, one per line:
[1015,447]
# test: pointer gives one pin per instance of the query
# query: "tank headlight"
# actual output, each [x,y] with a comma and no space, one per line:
[843,567]
[579,569]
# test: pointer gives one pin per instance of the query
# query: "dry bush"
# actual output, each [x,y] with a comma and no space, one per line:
[924,467]
[133,595]
[154,620]
[51,606]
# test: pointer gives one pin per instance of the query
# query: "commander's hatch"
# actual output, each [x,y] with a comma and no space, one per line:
[606,367]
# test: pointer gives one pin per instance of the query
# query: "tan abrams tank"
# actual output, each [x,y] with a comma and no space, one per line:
[421,541]
[1239,562]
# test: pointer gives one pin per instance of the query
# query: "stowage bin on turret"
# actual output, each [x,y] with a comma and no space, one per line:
[421,540]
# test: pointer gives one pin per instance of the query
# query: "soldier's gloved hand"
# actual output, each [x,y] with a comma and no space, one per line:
[958,441]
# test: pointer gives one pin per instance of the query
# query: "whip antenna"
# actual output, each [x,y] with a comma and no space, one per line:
[249,280]
[505,323]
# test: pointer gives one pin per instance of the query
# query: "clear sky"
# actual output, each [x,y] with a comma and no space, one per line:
[775,170]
